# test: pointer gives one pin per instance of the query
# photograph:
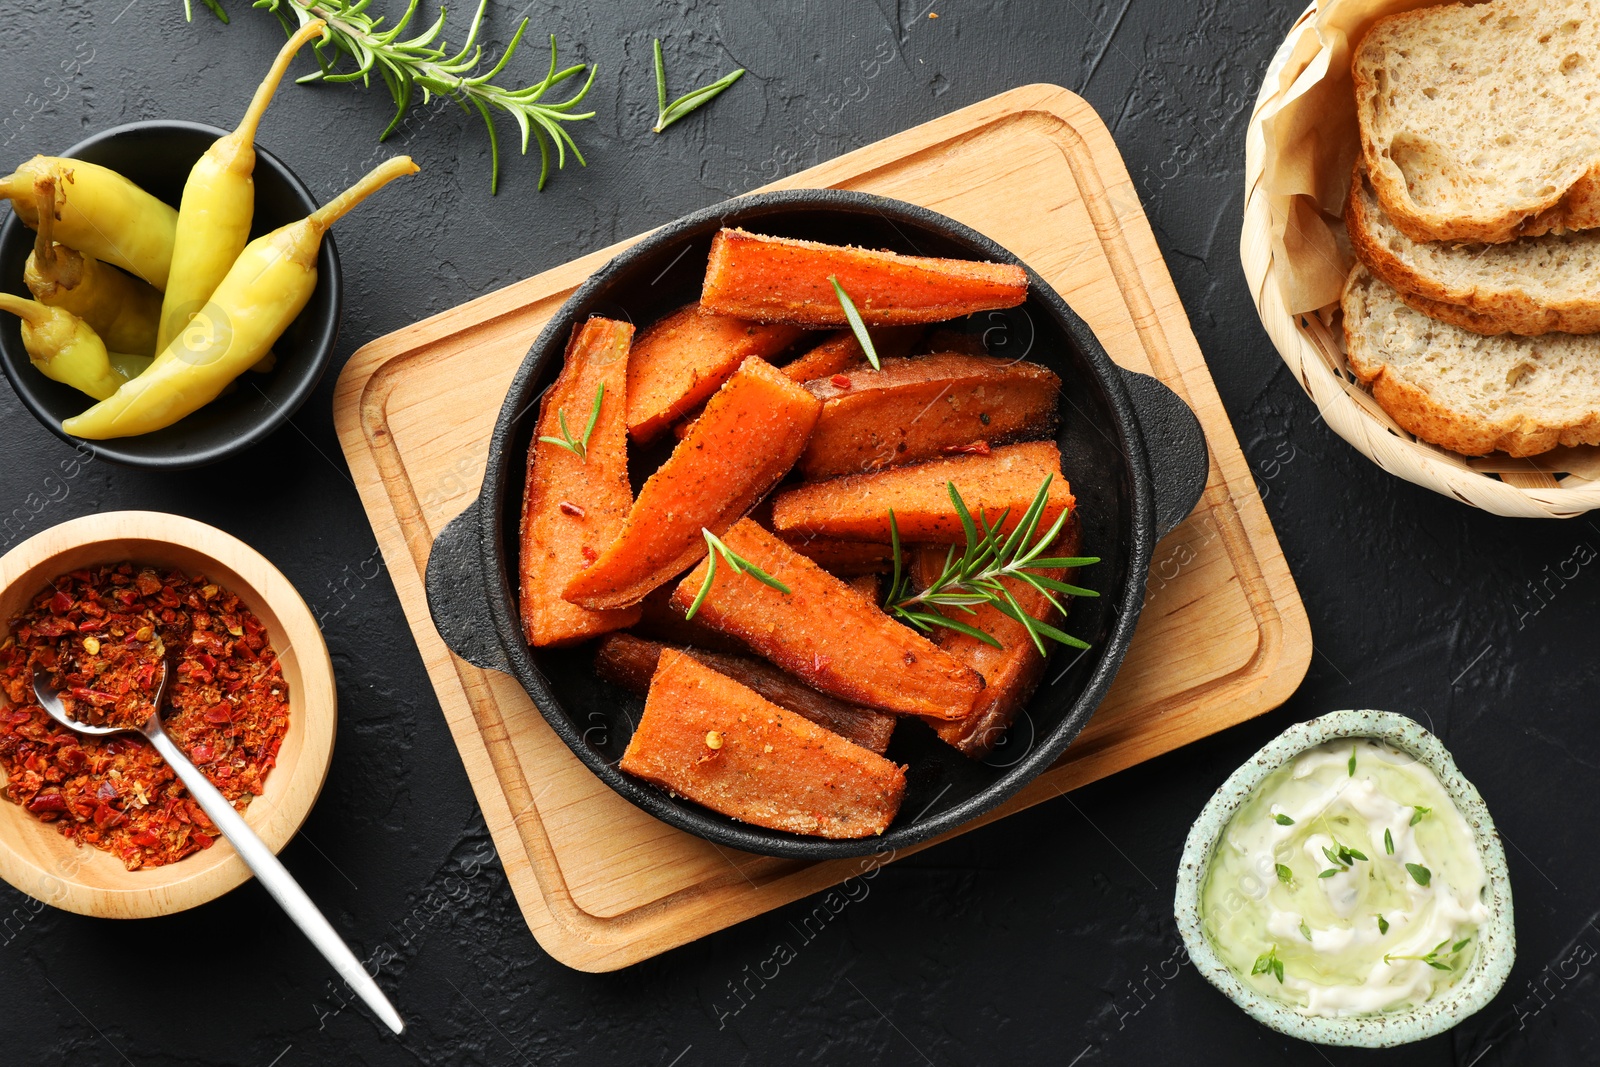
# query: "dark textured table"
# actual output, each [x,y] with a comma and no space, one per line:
[1047,937]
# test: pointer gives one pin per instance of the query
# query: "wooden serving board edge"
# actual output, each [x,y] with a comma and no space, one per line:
[589,943]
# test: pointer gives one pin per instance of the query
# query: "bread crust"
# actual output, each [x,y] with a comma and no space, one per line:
[1420,412]
[1573,206]
[1477,308]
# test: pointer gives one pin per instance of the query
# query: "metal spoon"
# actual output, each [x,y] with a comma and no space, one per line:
[272,874]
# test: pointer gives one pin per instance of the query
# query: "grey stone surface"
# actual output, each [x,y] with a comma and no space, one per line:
[1046,938]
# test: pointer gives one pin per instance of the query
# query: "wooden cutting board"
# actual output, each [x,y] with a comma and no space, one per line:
[1223,636]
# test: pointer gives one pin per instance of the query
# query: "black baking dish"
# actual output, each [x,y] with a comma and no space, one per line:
[1133,452]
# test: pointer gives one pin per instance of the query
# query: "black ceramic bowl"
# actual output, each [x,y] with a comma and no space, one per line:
[157,156]
[1134,454]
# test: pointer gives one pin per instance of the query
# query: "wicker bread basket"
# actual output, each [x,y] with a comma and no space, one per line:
[1559,484]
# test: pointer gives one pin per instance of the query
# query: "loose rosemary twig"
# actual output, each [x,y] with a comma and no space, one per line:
[424,62]
[667,114]
[740,565]
[977,575]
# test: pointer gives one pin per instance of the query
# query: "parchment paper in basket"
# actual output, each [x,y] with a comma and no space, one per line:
[1311,145]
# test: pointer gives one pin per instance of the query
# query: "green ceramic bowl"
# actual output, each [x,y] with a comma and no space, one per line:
[1497,937]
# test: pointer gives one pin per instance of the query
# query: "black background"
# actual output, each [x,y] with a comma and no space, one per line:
[1039,939]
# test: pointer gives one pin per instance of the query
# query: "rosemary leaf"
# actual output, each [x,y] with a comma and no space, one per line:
[578,447]
[863,338]
[667,114]
[739,565]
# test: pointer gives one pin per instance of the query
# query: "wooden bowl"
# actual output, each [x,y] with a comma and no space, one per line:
[34,856]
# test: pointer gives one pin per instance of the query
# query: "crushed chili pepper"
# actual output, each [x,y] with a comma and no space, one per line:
[569,508]
[976,448]
[227,707]
[840,381]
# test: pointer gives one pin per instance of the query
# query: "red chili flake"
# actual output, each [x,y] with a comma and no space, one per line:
[227,695]
[569,508]
[589,554]
[976,448]
[840,381]
[819,662]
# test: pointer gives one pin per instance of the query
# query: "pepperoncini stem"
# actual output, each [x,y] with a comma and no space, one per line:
[246,131]
[52,267]
[29,311]
[375,179]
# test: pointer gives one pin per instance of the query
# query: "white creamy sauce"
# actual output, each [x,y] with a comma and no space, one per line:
[1370,936]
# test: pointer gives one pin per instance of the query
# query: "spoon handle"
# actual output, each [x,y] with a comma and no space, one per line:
[276,879]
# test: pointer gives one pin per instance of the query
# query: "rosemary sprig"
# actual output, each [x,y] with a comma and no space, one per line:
[857,327]
[579,447]
[667,114]
[1417,813]
[1269,963]
[425,62]
[1434,959]
[740,565]
[977,575]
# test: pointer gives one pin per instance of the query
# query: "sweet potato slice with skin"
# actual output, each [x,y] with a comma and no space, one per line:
[779,279]
[841,351]
[868,585]
[752,431]
[826,633]
[1012,673]
[572,505]
[681,360]
[660,621]
[630,662]
[706,737]
[917,409]
[856,507]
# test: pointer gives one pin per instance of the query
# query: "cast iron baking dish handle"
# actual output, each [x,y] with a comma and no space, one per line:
[457,599]
[1179,460]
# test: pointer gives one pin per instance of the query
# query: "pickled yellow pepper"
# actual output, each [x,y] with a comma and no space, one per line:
[65,349]
[218,203]
[269,284]
[100,213]
[119,307]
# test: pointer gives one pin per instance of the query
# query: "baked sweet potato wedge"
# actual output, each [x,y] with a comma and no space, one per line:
[706,737]
[1012,672]
[573,506]
[779,279]
[826,633]
[843,559]
[856,507]
[681,360]
[841,351]
[923,408]
[630,662]
[752,431]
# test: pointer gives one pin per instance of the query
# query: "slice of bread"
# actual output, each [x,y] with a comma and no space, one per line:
[1531,286]
[1466,392]
[1479,123]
